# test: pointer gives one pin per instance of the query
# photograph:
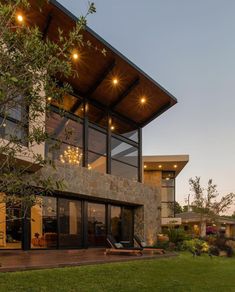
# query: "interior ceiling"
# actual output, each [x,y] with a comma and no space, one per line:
[96,72]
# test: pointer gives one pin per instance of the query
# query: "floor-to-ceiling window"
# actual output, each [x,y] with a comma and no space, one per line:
[116,222]
[124,160]
[168,194]
[10,224]
[96,230]
[91,136]
[97,144]
[70,223]
[128,224]
[44,223]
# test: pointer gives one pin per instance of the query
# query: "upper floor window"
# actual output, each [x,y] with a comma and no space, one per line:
[14,123]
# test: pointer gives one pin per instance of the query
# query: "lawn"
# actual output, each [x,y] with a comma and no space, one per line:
[183,273]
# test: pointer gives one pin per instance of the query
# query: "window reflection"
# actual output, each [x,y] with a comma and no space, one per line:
[10,225]
[97,141]
[44,223]
[97,116]
[124,170]
[128,224]
[124,152]
[66,135]
[96,162]
[116,223]
[15,122]
[96,224]
[168,194]
[97,144]
[70,223]
[124,129]
[167,209]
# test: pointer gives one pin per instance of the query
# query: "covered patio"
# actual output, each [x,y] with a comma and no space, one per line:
[18,260]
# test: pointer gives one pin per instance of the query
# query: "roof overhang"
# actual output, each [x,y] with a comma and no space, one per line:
[192,217]
[165,163]
[96,72]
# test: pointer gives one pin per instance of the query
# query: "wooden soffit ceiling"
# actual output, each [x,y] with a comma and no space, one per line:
[96,72]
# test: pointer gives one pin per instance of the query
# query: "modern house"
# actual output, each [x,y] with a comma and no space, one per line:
[101,162]
[161,172]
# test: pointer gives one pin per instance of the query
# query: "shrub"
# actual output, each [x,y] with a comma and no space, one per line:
[196,245]
[176,235]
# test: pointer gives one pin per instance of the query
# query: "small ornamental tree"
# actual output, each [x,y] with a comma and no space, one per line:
[30,65]
[206,201]
[175,208]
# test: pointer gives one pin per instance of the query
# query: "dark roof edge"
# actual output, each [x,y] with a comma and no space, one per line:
[92,32]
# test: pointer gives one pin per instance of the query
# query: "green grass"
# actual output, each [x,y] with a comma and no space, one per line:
[183,273]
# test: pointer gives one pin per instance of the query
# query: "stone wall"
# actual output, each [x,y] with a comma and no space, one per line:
[89,183]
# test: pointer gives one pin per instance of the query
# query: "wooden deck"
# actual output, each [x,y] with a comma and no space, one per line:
[12,260]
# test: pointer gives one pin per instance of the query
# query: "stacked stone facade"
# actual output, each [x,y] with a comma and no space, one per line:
[87,183]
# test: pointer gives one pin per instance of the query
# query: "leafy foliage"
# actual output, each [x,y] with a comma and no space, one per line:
[31,68]
[206,200]
[196,245]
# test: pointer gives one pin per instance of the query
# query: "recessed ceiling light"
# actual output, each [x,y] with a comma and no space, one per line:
[112,128]
[115,81]
[175,165]
[145,166]
[160,166]
[143,100]
[20,18]
[75,56]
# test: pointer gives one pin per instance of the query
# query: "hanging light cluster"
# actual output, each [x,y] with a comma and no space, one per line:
[71,155]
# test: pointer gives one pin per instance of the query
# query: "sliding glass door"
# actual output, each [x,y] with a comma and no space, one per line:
[70,223]
[96,229]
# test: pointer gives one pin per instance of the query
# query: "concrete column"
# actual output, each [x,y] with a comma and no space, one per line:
[203,229]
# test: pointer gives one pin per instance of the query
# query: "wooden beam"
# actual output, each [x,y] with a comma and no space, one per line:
[47,25]
[125,93]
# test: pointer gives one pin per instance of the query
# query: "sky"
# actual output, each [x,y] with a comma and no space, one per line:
[188,47]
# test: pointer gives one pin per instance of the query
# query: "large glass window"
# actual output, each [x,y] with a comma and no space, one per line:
[44,223]
[116,222]
[124,159]
[70,223]
[14,122]
[124,129]
[10,224]
[168,194]
[96,224]
[96,115]
[128,224]
[69,138]
[66,141]
[97,144]
[167,209]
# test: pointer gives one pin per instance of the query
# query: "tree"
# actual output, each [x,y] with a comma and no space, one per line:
[175,207]
[30,68]
[206,202]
